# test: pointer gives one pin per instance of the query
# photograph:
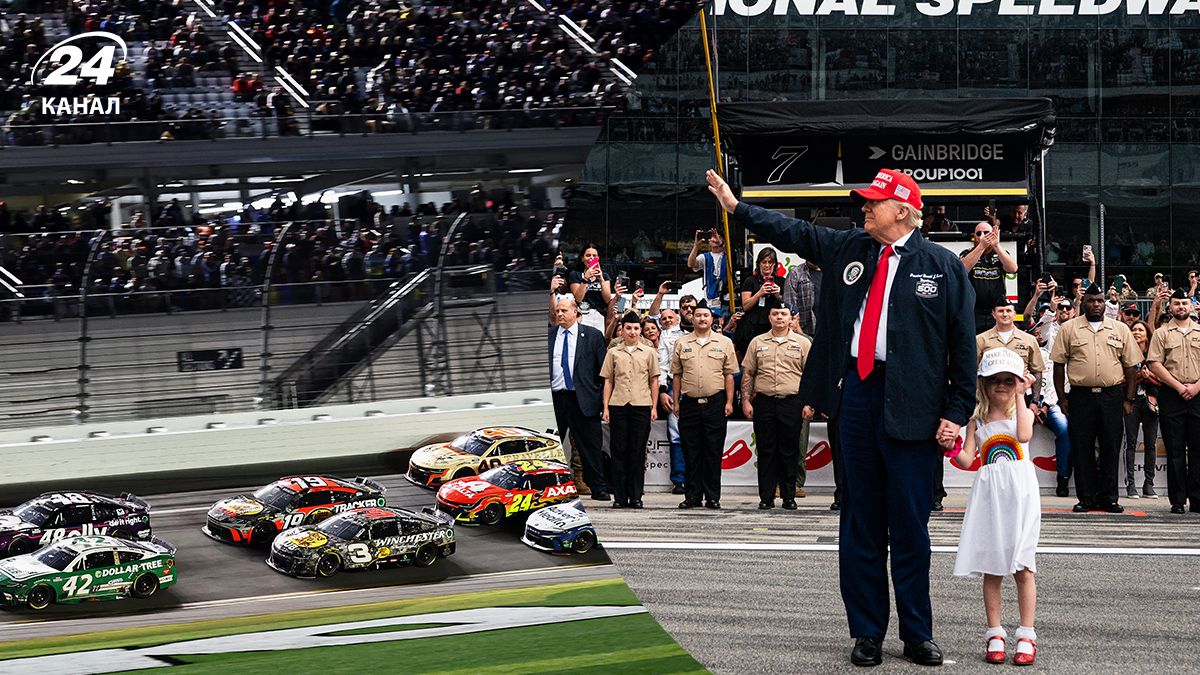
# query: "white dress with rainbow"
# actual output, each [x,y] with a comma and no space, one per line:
[1004,512]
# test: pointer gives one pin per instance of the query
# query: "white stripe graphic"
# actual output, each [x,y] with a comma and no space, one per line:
[238,41]
[738,546]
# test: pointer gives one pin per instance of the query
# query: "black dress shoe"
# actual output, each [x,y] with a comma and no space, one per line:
[867,652]
[689,504]
[789,504]
[924,654]
[618,504]
[836,506]
[678,489]
[601,496]
[712,504]
[634,504]
[1061,490]
[1113,508]
[1177,508]
[937,505]
[1081,508]
[764,505]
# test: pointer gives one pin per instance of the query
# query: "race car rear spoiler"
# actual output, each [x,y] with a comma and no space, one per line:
[163,543]
[370,483]
[134,499]
[441,516]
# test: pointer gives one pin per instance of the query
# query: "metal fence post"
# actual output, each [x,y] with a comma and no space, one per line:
[84,338]
[264,386]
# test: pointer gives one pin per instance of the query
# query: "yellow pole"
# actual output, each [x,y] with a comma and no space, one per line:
[712,107]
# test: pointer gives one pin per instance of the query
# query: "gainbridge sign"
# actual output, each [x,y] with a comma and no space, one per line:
[739,467]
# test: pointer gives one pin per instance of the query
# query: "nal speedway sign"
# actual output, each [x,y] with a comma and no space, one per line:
[66,65]
[959,7]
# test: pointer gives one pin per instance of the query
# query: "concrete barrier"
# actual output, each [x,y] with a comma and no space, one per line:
[228,445]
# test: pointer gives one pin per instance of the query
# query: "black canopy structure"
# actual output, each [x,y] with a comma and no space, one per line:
[795,152]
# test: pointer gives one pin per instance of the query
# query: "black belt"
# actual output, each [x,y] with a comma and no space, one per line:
[1096,390]
[703,399]
[783,397]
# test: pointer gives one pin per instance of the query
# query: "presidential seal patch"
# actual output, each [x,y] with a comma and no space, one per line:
[927,288]
[852,273]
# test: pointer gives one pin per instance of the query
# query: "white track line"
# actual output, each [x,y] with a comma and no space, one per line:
[738,546]
[189,509]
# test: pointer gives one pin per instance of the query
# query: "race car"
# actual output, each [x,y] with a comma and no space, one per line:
[55,516]
[371,537]
[472,454]
[287,503]
[86,568]
[563,528]
[507,490]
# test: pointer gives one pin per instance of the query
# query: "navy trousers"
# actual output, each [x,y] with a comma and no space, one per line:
[885,501]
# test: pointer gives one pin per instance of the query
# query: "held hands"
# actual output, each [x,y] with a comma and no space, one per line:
[720,188]
[946,433]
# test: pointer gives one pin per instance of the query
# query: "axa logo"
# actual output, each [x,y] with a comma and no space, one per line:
[68,65]
[560,490]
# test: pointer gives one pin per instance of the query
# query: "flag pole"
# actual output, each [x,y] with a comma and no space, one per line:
[712,107]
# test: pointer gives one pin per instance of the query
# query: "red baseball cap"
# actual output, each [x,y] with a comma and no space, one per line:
[891,184]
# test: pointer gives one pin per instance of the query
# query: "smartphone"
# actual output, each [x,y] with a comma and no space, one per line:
[594,263]
[623,281]
[639,285]
[701,234]
[1046,278]
[991,206]
[1087,248]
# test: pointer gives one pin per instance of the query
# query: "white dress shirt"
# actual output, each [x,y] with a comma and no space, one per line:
[881,338]
[558,381]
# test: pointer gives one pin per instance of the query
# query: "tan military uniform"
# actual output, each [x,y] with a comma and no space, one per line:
[1095,358]
[1179,352]
[618,341]
[630,372]
[1021,343]
[777,363]
[701,368]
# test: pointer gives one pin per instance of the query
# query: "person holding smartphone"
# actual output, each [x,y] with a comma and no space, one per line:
[757,287]
[592,290]
[711,264]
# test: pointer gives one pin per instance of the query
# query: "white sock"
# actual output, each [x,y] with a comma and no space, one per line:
[995,638]
[1025,632]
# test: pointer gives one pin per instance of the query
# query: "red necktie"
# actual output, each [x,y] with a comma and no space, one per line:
[870,322]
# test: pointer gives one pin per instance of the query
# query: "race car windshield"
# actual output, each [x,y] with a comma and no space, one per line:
[340,528]
[55,557]
[503,477]
[470,445]
[33,513]
[275,496]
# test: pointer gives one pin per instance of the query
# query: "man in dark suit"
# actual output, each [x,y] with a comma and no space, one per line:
[894,367]
[576,355]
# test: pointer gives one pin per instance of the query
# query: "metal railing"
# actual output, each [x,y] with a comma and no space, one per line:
[39,130]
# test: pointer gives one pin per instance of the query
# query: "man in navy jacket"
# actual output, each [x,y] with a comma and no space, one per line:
[894,367]
[576,355]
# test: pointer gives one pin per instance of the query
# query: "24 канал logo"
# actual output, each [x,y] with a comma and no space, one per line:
[67,65]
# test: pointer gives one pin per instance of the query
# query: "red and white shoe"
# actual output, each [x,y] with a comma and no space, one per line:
[1026,652]
[994,651]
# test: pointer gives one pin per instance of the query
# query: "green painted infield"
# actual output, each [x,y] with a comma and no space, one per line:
[625,644]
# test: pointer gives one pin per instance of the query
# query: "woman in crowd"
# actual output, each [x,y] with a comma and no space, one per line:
[755,289]
[592,289]
[1145,415]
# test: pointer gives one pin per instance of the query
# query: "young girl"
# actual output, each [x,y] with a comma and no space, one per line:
[1003,519]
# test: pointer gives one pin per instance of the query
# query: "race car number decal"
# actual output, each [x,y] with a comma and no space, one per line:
[522,502]
[77,586]
[306,482]
[293,520]
[68,498]
[489,464]
[59,533]
[359,553]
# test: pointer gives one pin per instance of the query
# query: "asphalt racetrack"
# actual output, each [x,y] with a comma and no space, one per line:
[750,591]
[220,580]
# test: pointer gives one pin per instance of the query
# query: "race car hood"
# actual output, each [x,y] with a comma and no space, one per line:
[437,456]
[560,517]
[242,508]
[466,490]
[304,538]
[11,523]
[22,567]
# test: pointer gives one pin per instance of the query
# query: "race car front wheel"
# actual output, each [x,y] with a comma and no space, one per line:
[328,565]
[584,541]
[39,598]
[426,555]
[263,534]
[145,586]
[20,547]
[491,515]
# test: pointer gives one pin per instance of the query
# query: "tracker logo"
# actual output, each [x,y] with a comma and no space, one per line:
[66,65]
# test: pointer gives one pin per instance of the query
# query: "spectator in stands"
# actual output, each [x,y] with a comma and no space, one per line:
[711,265]
[592,288]
[1144,415]
[800,290]
[987,263]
